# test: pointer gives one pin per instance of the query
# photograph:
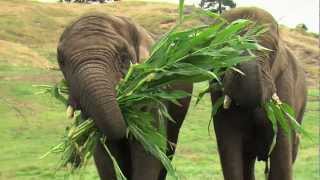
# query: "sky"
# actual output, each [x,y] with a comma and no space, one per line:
[287,12]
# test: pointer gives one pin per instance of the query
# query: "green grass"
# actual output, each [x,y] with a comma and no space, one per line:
[31,124]
[28,133]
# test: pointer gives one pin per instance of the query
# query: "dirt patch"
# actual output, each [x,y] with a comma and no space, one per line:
[18,55]
[50,77]
[167,24]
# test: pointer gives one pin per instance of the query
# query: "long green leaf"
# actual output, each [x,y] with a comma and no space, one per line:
[271,116]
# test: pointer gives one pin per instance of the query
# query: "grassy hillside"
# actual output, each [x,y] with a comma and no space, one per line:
[306,48]
[32,123]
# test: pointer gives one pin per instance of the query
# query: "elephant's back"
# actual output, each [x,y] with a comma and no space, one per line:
[253,13]
[268,39]
[299,83]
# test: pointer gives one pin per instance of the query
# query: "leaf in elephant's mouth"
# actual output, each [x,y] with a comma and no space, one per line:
[279,113]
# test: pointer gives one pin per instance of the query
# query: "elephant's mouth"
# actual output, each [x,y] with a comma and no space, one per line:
[228,101]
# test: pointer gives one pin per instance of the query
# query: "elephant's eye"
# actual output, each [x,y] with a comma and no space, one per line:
[125,62]
[125,59]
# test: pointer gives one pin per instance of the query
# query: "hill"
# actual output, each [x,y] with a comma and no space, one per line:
[37,26]
[31,122]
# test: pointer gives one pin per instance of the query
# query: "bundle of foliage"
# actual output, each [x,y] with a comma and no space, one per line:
[194,55]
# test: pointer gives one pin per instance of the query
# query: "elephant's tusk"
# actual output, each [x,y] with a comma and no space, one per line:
[226,102]
[70,112]
[276,98]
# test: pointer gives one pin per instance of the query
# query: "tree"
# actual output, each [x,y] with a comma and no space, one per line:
[85,1]
[302,27]
[217,5]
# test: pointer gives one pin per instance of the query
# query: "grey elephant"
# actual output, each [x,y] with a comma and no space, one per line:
[242,129]
[94,53]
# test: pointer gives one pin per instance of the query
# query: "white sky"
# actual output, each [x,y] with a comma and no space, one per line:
[287,12]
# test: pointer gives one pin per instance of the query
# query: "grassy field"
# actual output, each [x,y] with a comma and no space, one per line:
[31,123]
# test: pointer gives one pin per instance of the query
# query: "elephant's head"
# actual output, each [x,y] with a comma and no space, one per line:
[257,84]
[94,53]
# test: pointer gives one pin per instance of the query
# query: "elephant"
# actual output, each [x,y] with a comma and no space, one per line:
[242,129]
[94,54]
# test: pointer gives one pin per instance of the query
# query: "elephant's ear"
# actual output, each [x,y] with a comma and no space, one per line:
[145,43]
[132,55]
[127,57]
[143,53]
[281,60]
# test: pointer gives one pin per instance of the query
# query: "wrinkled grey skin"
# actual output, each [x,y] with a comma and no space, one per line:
[94,53]
[243,131]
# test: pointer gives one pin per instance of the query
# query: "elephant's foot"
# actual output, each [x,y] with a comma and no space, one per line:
[248,167]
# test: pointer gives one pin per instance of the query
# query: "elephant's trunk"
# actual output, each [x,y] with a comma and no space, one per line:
[94,84]
[244,90]
[253,88]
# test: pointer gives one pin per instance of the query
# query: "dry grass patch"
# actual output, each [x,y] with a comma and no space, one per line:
[306,49]
[18,55]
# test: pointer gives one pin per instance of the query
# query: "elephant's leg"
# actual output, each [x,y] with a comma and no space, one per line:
[172,136]
[104,163]
[295,147]
[178,113]
[229,140]
[296,138]
[281,159]
[231,157]
[248,167]
[144,165]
